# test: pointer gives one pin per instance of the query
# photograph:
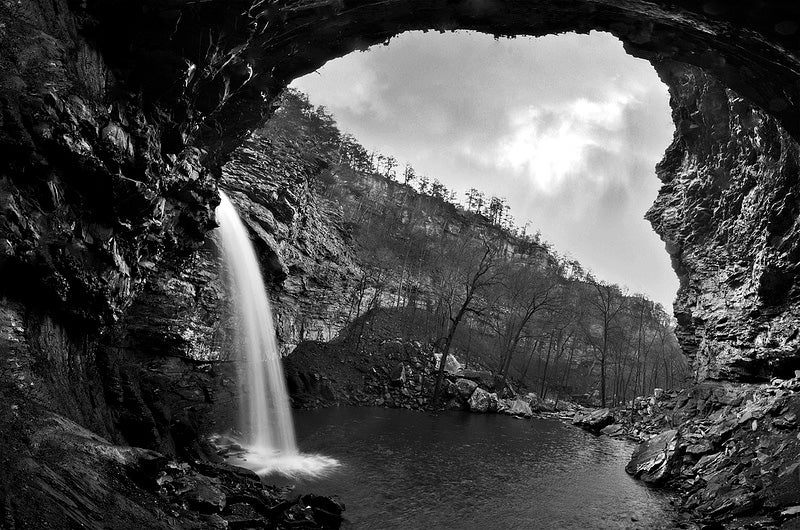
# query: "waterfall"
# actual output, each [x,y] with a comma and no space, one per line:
[266,420]
[265,409]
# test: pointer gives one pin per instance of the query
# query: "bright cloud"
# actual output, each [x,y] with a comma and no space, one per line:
[552,146]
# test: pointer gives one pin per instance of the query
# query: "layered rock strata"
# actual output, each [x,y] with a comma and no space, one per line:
[731,449]
[728,214]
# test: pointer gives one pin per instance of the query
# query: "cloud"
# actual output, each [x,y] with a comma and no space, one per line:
[568,128]
[551,146]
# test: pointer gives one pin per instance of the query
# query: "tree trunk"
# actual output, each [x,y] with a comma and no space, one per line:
[448,341]
[565,381]
[603,368]
[528,364]
[543,388]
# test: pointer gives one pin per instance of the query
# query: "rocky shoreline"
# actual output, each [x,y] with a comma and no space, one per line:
[400,373]
[731,450]
[69,477]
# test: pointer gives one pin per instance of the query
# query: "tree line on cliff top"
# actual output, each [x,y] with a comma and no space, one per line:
[485,289]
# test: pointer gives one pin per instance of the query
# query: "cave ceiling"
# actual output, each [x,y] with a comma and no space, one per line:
[228,56]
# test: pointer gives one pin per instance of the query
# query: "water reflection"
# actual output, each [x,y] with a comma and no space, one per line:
[405,469]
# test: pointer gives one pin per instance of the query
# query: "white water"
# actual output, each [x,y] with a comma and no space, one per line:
[269,443]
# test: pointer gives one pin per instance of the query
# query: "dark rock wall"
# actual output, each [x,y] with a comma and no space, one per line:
[90,195]
[728,212]
[92,199]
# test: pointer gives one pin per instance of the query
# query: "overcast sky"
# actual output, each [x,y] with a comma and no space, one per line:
[568,128]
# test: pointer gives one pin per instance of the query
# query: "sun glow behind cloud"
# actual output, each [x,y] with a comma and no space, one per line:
[568,128]
[551,146]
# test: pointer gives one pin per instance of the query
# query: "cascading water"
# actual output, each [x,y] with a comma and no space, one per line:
[266,416]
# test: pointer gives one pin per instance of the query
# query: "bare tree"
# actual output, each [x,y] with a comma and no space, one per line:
[526,290]
[467,269]
[607,302]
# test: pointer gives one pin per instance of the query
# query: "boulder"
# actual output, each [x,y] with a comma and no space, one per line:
[480,401]
[493,402]
[449,389]
[451,365]
[615,429]
[653,460]
[398,375]
[503,405]
[532,399]
[206,498]
[484,378]
[515,407]
[465,388]
[593,421]
[327,512]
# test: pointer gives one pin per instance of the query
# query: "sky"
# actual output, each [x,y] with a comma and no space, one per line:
[568,128]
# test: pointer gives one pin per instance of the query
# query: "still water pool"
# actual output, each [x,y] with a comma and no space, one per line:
[416,470]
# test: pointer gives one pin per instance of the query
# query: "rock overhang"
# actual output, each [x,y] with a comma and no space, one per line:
[184,82]
[234,55]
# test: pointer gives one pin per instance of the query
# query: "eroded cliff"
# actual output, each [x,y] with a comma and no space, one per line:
[728,214]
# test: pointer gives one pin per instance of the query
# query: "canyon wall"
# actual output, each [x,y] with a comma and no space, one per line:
[117,116]
[728,213]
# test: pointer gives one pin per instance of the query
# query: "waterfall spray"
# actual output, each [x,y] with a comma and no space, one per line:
[266,416]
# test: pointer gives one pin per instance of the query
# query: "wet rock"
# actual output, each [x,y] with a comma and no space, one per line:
[785,491]
[594,420]
[786,421]
[326,511]
[454,404]
[791,511]
[700,448]
[738,501]
[215,522]
[516,407]
[206,498]
[654,460]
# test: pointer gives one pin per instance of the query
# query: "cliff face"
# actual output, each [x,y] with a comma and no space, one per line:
[115,120]
[728,213]
[90,194]
[306,256]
